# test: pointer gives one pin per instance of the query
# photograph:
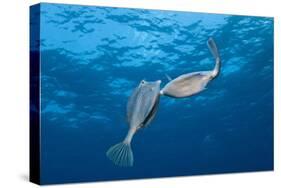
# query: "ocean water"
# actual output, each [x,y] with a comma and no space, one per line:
[93,57]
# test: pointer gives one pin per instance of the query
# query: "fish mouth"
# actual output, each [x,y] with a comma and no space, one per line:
[159,81]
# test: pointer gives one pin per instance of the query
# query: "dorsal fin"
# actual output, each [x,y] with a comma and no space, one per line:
[168,77]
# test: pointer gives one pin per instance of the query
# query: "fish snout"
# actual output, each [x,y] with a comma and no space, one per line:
[159,81]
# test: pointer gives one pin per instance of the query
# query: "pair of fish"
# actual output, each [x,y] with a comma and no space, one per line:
[143,104]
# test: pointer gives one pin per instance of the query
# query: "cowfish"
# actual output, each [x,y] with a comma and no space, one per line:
[141,109]
[192,83]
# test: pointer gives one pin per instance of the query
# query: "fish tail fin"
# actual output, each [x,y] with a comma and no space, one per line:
[121,154]
[214,50]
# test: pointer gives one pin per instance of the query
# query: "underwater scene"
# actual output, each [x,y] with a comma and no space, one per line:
[95,59]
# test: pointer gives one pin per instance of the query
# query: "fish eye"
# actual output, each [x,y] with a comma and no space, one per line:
[142,82]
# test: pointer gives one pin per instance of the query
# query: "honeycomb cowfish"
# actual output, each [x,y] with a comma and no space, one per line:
[141,109]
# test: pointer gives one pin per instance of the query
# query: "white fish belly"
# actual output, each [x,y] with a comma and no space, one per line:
[185,87]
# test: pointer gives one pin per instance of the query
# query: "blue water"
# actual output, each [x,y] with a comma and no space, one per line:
[93,57]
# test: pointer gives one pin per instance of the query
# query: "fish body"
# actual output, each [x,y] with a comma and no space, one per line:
[141,109]
[192,83]
[142,104]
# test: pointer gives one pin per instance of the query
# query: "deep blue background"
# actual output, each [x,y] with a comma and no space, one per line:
[92,58]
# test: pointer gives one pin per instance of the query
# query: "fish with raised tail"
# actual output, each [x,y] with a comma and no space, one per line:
[192,83]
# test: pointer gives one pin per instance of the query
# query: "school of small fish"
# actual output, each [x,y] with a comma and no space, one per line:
[143,103]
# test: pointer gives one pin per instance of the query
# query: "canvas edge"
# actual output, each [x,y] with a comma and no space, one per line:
[34,95]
